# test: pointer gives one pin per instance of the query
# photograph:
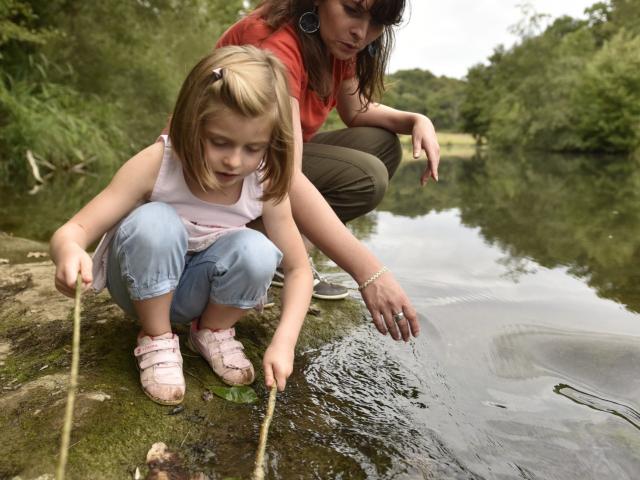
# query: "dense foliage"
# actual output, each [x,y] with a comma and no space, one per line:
[420,91]
[575,86]
[95,81]
[416,90]
[85,82]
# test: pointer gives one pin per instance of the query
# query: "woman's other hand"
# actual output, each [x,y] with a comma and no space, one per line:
[390,308]
[424,138]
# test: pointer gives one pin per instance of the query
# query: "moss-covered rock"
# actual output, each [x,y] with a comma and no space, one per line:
[114,422]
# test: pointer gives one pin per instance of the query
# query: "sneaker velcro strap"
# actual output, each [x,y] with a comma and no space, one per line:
[231,346]
[165,344]
[224,334]
[165,356]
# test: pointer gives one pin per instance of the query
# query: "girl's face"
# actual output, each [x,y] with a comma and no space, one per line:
[346,26]
[234,145]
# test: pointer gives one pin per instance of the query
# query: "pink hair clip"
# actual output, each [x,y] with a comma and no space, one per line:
[217,74]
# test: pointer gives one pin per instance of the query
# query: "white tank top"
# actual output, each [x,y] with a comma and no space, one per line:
[204,221]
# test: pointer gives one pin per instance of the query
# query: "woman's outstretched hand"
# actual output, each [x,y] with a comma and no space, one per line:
[390,308]
[424,138]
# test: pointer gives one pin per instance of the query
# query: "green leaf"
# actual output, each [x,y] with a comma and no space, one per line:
[236,394]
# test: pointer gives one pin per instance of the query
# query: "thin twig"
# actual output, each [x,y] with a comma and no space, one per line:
[73,384]
[34,167]
[74,444]
[196,377]
[258,472]
[185,438]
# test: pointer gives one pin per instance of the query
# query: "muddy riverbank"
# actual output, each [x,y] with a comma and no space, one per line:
[114,423]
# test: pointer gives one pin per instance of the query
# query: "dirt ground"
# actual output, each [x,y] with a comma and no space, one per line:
[115,424]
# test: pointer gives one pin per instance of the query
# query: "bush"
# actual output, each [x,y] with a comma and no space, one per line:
[608,97]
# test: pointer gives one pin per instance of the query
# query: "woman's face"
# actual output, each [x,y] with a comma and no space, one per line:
[346,26]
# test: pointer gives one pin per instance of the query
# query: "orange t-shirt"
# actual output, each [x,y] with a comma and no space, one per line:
[284,43]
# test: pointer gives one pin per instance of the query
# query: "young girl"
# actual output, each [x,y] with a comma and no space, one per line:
[177,247]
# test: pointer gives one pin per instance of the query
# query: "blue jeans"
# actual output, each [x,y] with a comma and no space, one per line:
[148,258]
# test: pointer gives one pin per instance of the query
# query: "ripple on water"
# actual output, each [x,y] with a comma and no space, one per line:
[363,406]
[538,370]
[582,358]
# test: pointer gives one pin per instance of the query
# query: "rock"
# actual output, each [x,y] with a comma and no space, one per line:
[207,396]
[176,410]
[159,453]
[97,396]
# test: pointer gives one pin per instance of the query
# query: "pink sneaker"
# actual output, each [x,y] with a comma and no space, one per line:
[160,365]
[223,353]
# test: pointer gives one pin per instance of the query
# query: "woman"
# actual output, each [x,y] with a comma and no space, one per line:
[336,52]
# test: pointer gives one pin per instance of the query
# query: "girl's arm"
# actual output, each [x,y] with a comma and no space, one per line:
[296,294]
[132,184]
[420,128]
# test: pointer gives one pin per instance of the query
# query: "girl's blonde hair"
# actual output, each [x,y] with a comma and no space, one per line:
[250,82]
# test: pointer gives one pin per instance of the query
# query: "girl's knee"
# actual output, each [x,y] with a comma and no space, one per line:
[256,256]
[155,225]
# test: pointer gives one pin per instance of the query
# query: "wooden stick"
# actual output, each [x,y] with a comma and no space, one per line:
[34,167]
[258,472]
[73,384]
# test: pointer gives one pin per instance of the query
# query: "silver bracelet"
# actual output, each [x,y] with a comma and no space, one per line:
[372,278]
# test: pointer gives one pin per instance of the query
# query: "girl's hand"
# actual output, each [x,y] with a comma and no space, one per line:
[73,259]
[384,298]
[277,364]
[423,137]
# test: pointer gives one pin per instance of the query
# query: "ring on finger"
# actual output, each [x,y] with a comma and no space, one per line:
[398,316]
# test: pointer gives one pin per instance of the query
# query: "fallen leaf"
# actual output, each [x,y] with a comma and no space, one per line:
[236,394]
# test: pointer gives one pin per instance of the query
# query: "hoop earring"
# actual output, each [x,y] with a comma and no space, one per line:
[309,22]
[372,49]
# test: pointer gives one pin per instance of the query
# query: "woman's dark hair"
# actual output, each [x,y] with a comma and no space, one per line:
[369,69]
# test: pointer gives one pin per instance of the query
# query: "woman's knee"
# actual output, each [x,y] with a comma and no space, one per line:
[391,154]
[374,186]
[384,145]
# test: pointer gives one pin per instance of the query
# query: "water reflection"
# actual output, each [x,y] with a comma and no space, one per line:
[37,216]
[574,211]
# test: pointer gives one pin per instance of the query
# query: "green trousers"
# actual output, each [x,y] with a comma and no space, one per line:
[352,167]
